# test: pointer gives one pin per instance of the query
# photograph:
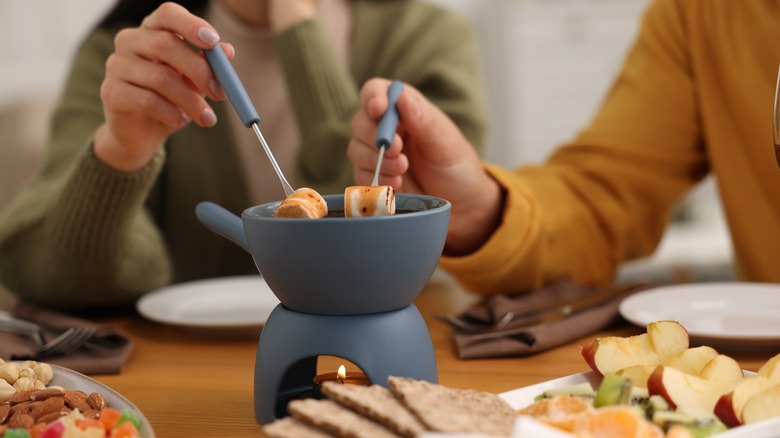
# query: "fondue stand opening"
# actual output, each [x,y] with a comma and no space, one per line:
[343,377]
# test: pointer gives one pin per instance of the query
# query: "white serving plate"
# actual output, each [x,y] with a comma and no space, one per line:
[522,397]
[738,314]
[226,302]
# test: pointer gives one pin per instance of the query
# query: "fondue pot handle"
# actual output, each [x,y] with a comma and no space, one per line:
[219,220]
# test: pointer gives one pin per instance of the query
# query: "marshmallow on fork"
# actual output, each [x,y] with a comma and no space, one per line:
[304,203]
[363,201]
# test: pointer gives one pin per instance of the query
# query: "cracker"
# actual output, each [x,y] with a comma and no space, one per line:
[333,418]
[444,409]
[377,403]
[289,427]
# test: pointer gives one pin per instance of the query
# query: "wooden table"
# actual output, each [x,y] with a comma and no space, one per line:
[197,383]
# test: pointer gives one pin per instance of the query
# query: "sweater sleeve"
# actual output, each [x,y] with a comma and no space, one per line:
[78,235]
[605,197]
[324,96]
[425,46]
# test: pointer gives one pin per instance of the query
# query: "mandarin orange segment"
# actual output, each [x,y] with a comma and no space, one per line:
[557,406]
[560,411]
[616,422]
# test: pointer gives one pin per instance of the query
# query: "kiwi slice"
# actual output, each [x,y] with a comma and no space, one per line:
[613,390]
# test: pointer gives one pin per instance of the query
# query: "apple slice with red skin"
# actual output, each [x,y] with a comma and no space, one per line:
[771,369]
[729,406]
[762,406]
[663,340]
[690,361]
[696,392]
[693,360]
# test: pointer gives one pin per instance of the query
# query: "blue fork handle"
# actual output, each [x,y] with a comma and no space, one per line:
[232,85]
[389,121]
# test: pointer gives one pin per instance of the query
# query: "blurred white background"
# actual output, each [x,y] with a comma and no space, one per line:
[546,63]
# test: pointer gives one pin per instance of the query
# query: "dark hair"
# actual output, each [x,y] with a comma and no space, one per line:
[132,12]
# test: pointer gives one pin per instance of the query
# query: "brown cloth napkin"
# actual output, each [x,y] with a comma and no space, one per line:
[540,337]
[85,361]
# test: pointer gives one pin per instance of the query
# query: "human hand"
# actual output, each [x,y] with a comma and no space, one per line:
[155,84]
[428,155]
[285,13]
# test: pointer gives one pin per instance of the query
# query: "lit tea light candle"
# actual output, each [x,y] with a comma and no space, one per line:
[341,376]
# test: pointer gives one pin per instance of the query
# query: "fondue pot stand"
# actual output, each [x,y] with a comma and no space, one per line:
[394,343]
[346,287]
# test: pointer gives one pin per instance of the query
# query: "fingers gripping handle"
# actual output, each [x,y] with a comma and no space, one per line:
[232,85]
[389,122]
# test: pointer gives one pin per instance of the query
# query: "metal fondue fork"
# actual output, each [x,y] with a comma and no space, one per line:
[242,103]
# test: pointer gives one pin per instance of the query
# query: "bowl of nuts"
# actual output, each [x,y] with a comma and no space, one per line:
[38,398]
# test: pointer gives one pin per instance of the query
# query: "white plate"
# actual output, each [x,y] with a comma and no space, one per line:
[522,397]
[70,379]
[731,314]
[226,302]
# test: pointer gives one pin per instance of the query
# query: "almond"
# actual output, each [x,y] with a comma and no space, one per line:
[5,410]
[45,407]
[43,394]
[21,420]
[21,396]
[21,408]
[77,400]
[48,418]
[92,414]
[96,401]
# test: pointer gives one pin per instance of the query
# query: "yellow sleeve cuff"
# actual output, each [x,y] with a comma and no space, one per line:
[510,260]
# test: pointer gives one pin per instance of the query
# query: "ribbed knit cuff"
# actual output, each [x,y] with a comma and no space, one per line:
[506,262]
[98,201]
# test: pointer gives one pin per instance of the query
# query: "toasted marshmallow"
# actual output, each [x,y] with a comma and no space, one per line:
[304,203]
[363,201]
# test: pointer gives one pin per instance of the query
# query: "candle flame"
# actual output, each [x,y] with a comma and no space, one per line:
[342,373]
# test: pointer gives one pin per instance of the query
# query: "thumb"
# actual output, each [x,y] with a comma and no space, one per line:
[427,126]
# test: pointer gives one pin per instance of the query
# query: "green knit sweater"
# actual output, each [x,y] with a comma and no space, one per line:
[84,235]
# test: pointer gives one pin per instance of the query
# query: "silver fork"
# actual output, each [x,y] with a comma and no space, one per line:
[13,325]
[518,322]
[69,341]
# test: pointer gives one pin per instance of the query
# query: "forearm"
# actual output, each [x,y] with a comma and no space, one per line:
[84,239]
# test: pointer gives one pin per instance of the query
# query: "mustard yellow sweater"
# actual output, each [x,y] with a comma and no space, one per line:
[695,95]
